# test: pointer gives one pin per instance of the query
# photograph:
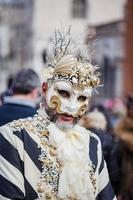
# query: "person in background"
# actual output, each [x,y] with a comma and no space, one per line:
[124,132]
[49,156]
[8,91]
[22,102]
[115,110]
[96,122]
[107,114]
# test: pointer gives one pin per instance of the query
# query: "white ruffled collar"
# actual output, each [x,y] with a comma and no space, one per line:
[73,151]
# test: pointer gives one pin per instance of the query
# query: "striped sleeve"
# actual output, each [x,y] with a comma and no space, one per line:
[11,167]
[19,154]
[4,198]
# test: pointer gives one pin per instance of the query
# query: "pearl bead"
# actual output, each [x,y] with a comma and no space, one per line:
[74,80]
[41,188]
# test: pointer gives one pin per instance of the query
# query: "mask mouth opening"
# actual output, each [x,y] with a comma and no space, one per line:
[66,117]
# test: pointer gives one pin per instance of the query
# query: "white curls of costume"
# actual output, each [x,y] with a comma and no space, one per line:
[73,152]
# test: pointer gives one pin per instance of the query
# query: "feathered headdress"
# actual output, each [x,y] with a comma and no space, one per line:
[68,65]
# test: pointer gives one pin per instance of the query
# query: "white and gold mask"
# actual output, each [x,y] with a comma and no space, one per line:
[70,84]
[66,99]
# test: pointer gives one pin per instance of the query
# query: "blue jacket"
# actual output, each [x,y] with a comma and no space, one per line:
[12,111]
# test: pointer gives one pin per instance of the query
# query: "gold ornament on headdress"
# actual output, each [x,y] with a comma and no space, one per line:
[66,66]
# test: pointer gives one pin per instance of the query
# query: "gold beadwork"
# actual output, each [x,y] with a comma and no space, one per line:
[52,152]
[44,133]
[40,187]
[48,195]
[79,74]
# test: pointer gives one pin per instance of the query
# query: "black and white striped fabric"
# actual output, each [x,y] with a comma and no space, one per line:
[20,168]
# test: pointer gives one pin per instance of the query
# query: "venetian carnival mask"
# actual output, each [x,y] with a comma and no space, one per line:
[70,79]
[70,84]
[66,99]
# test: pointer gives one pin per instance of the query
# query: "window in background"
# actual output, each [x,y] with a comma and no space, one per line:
[79,8]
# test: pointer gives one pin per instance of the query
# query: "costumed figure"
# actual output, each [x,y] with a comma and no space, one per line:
[49,156]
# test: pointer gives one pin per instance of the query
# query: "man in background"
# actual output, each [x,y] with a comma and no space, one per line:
[22,102]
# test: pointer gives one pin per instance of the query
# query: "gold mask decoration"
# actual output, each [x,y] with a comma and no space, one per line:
[81,75]
[66,65]
[55,103]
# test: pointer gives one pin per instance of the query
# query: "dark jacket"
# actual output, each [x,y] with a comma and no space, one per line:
[109,147]
[12,111]
[124,131]
[95,122]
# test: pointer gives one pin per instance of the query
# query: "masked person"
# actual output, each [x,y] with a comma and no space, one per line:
[49,156]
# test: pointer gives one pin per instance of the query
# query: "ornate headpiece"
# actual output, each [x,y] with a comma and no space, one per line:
[66,65]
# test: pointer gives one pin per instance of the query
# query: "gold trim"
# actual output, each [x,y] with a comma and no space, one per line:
[81,111]
[79,74]
[55,103]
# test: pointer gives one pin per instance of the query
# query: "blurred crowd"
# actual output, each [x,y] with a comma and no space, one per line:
[111,120]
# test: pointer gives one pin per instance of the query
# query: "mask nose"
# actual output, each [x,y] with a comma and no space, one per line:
[72,107]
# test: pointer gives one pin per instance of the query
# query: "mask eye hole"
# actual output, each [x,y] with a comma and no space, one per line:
[82,98]
[64,93]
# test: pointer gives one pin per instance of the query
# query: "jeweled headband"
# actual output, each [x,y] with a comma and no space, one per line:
[68,66]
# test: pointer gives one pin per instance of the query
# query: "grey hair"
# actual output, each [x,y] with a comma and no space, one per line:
[25,81]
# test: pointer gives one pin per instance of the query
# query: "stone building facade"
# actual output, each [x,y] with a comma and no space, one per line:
[15,37]
[109,55]
[85,16]
[26,27]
